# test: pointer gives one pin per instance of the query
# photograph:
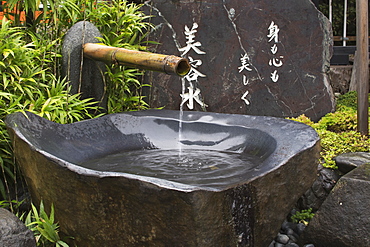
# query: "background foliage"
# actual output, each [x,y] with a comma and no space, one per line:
[30,64]
[338,16]
[337,130]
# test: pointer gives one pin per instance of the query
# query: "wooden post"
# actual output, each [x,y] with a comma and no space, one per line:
[362,43]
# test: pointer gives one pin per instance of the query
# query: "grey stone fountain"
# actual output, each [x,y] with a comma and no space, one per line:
[130,179]
[165,178]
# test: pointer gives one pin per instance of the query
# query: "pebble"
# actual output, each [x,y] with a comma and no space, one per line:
[289,235]
[293,238]
[292,245]
[282,238]
[279,244]
[300,228]
[288,225]
[313,198]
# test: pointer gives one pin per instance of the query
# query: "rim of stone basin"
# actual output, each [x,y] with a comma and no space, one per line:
[291,138]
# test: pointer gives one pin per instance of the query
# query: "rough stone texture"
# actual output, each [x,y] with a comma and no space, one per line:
[340,77]
[344,218]
[348,161]
[101,208]
[90,84]
[13,233]
[320,189]
[226,32]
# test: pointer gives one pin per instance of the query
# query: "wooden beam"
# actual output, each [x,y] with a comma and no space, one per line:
[348,38]
[362,43]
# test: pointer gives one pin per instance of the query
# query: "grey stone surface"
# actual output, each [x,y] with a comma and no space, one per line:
[125,209]
[13,233]
[282,238]
[344,217]
[348,161]
[340,77]
[233,56]
[320,189]
[90,83]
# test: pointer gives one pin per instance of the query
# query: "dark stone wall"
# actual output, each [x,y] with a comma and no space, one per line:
[248,57]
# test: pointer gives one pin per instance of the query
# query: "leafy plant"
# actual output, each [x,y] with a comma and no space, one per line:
[303,216]
[334,144]
[348,100]
[122,25]
[338,130]
[339,121]
[30,63]
[12,205]
[27,85]
[44,227]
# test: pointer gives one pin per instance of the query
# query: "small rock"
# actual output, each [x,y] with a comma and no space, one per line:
[288,225]
[308,245]
[278,245]
[293,237]
[13,233]
[289,231]
[328,186]
[292,245]
[272,244]
[349,161]
[318,189]
[329,178]
[282,238]
[300,228]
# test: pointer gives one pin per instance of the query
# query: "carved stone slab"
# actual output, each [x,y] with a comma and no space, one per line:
[255,57]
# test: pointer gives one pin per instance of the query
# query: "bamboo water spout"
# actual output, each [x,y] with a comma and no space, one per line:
[168,64]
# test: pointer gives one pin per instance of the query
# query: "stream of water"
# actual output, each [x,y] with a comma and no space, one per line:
[181,115]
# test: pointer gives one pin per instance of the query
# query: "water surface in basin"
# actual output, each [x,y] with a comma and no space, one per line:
[192,167]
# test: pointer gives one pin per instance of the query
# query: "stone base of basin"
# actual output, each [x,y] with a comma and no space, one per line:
[115,210]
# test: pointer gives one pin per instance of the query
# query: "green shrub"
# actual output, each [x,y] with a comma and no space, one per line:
[30,65]
[122,25]
[303,216]
[27,85]
[334,144]
[339,121]
[347,100]
[338,130]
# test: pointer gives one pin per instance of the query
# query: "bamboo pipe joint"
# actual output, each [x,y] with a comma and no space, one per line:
[168,64]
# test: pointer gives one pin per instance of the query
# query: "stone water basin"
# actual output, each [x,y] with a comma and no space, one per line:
[134,179]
